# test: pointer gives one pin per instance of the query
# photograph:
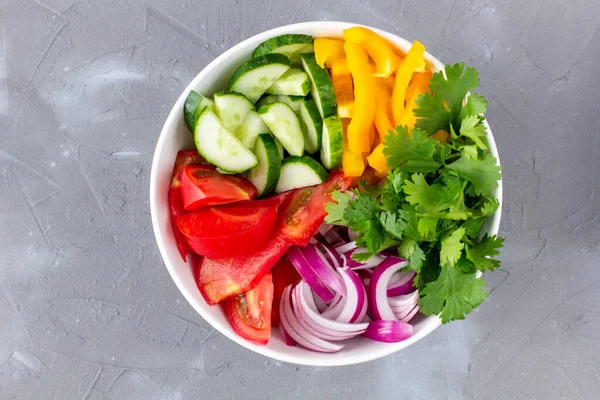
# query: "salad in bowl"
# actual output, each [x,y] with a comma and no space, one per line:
[326,194]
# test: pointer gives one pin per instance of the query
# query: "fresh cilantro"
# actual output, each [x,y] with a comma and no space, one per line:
[489,246]
[452,247]
[483,174]
[337,208]
[410,153]
[453,295]
[435,199]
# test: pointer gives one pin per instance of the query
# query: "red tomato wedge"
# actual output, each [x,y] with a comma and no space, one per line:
[284,274]
[223,278]
[184,158]
[230,231]
[203,186]
[249,314]
[306,210]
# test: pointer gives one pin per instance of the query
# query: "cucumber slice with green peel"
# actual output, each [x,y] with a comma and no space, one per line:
[219,146]
[254,77]
[232,109]
[252,126]
[294,82]
[321,87]
[312,125]
[193,106]
[283,122]
[279,147]
[290,45]
[292,101]
[297,172]
[265,175]
[332,142]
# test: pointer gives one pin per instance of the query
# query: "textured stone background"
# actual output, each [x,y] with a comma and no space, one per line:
[87,309]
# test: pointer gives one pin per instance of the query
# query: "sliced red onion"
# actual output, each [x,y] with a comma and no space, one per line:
[400,314]
[307,273]
[323,269]
[324,228]
[372,262]
[343,248]
[377,291]
[410,314]
[389,331]
[334,303]
[297,331]
[321,305]
[356,297]
[310,326]
[334,311]
[401,283]
[334,238]
[287,339]
[402,300]
[331,255]
[307,302]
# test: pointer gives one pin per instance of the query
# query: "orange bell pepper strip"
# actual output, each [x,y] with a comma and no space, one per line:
[377,161]
[364,98]
[328,50]
[382,118]
[413,62]
[386,59]
[341,77]
[418,85]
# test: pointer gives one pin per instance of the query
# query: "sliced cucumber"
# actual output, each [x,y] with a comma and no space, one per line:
[219,147]
[289,45]
[254,77]
[252,126]
[311,124]
[232,109]
[293,83]
[279,147]
[194,101]
[292,101]
[283,122]
[332,142]
[297,172]
[265,175]
[321,87]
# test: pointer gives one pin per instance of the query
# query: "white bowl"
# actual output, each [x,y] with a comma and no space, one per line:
[175,137]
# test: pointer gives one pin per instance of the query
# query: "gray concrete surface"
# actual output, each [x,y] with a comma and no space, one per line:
[87,309]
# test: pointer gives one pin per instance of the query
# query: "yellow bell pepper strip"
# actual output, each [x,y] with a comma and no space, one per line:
[386,59]
[382,118]
[328,50]
[413,62]
[342,87]
[372,136]
[418,85]
[353,164]
[377,161]
[364,98]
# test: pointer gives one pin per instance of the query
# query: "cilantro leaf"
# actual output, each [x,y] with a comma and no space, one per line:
[452,247]
[362,256]
[428,227]
[455,86]
[431,113]
[411,250]
[488,247]
[410,153]
[472,128]
[336,208]
[453,295]
[476,104]
[472,226]
[483,174]
[392,224]
[490,206]
[420,194]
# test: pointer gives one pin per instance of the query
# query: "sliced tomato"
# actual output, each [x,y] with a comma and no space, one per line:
[184,158]
[231,230]
[203,186]
[249,314]
[306,211]
[284,274]
[223,278]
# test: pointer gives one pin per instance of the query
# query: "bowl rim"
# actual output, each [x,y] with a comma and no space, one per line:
[175,113]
